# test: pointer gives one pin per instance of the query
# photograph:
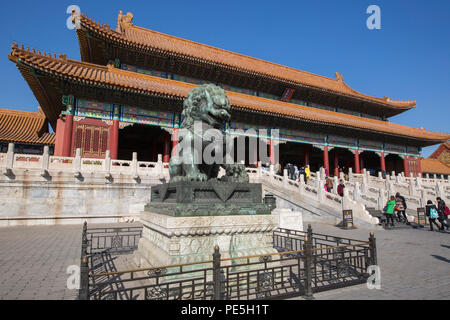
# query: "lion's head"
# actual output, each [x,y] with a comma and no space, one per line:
[207,103]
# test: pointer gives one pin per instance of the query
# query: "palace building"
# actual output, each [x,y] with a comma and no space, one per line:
[126,94]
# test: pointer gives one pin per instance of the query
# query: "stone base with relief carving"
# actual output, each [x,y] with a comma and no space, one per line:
[168,240]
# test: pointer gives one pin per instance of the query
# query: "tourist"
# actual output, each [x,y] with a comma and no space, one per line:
[278,169]
[389,211]
[432,213]
[340,188]
[328,184]
[441,211]
[307,173]
[401,207]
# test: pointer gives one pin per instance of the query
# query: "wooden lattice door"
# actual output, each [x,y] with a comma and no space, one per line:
[91,139]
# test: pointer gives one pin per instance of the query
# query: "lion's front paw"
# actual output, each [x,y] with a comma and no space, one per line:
[195,177]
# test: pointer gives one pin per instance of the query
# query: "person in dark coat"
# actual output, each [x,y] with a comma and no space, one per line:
[441,212]
[401,202]
[432,213]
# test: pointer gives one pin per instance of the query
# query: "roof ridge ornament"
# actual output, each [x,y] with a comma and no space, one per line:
[123,21]
[339,76]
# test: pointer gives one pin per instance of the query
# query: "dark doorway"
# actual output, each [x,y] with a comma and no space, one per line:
[346,160]
[146,140]
[393,163]
[370,161]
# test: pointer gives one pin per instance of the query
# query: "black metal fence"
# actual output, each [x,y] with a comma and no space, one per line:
[305,263]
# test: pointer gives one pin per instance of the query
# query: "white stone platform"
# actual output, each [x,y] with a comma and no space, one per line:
[168,240]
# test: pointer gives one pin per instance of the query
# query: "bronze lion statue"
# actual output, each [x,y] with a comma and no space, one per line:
[206,107]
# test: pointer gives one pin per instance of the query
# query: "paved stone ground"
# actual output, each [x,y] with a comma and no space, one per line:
[415,264]
[34,261]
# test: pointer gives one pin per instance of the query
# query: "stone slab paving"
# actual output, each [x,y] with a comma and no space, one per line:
[414,264]
[34,260]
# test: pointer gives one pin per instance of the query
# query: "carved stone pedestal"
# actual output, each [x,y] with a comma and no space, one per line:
[168,240]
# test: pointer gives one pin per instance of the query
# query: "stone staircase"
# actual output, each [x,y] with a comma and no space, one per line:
[311,199]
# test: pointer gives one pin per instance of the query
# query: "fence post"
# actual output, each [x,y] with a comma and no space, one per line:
[83,293]
[373,249]
[308,272]
[216,274]
[310,234]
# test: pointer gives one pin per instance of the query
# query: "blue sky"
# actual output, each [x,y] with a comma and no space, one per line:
[408,58]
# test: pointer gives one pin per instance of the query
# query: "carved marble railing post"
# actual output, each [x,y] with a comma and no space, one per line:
[77,164]
[45,162]
[7,170]
[321,191]
[423,198]
[160,166]
[107,165]
[381,199]
[391,190]
[356,192]
[345,199]
[350,174]
[134,166]
[271,170]
[364,186]
[285,177]
[335,184]
[302,183]
[259,169]
[380,175]
[411,187]
[318,177]
[341,175]
[419,181]
[439,189]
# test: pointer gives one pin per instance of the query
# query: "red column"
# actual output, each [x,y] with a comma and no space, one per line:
[405,166]
[336,162]
[174,140]
[357,169]
[67,139]
[166,149]
[419,165]
[307,150]
[114,144]
[59,139]
[326,163]
[272,152]
[382,162]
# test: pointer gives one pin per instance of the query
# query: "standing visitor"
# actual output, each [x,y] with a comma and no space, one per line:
[432,214]
[340,188]
[401,207]
[441,211]
[307,173]
[328,184]
[389,211]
